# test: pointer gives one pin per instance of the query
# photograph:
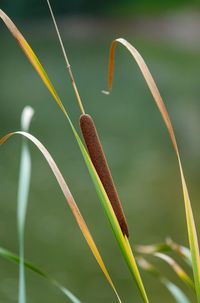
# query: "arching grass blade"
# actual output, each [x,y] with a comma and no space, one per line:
[175,291]
[122,241]
[8,255]
[70,200]
[177,269]
[192,234]
[168,246]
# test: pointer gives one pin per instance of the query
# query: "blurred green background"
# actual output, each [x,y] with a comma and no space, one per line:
[133,135]
[37,8]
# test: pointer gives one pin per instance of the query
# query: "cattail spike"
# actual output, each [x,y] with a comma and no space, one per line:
[99,161]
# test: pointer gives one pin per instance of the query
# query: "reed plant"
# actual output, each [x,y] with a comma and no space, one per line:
[93,154]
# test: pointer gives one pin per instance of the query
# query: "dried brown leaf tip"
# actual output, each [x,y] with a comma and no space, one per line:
[99,161]
[10,25]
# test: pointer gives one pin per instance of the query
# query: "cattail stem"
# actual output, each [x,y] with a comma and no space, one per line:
[66,61]
[99,161]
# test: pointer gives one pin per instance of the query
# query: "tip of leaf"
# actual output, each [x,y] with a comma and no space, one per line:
[26,117]
[105,92]
[10,25]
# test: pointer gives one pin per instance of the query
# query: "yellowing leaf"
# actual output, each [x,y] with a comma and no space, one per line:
[122,241]
[175,291]
[32,57]
[70,200]
[176,268]
[192,235]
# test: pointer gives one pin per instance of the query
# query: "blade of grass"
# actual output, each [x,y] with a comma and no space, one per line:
[168,246]
[71,202]
[152,248]
[181,250]
[31,57]
[8,255]
[22,199]
[123,243]
[177,269]
[192,234]
[175,291]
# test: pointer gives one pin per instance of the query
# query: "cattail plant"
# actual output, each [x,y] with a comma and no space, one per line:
[94,145]
[95,160]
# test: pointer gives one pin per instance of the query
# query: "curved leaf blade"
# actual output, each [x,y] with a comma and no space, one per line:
[123,242]
[168,246]
[70,200]
[192,234]
[8,255]
[31,57]
[175,291]
[177,269]
[181,250]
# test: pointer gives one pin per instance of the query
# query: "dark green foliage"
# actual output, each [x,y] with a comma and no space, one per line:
[36,8]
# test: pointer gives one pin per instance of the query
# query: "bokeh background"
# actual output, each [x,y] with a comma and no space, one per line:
[144,166]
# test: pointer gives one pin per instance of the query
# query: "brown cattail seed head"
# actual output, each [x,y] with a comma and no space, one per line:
[99,161]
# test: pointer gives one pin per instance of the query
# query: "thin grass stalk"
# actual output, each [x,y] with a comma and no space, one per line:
[66,61]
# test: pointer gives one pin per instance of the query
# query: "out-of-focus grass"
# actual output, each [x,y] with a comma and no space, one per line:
[49,224]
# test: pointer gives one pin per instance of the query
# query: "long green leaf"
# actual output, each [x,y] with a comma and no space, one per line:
[8,255]
[122,241]
[176,268]
[22,199]
[175,291]
[70,200]
[192,234]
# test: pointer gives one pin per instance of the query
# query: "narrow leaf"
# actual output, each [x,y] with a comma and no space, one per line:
[31,57]
[22,199]
[71,202]
[168,246]
[177,269]
[175,291]
[152,248]
[181,250]
[8,255]
[122,241]
[192,234]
